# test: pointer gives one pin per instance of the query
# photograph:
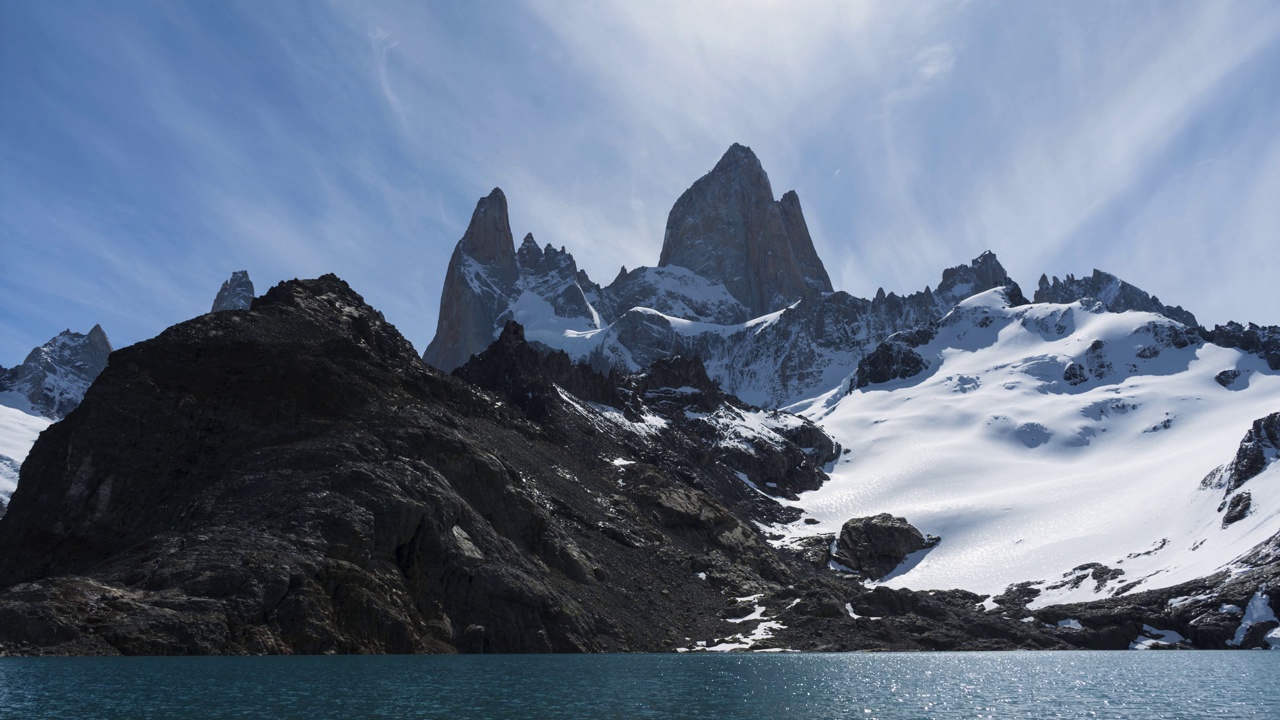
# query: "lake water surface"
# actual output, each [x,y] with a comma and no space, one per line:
[790,686]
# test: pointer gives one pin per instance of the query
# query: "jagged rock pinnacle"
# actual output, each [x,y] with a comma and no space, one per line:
[236,293]
[728,228]
[478,284]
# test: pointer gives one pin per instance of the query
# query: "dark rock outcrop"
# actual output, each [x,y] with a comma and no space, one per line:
[54,377]
[1258,449]
[1263,341]
[1115,294]
[893,359]
[1238,508]
[1205,613]
[677,411]
[728,228]
[1227,378]
[236,293]
[875,545]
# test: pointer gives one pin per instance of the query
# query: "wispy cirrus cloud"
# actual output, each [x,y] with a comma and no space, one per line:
[147,150]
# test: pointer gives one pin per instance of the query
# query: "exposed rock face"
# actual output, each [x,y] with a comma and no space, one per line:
[1206,613]
[553,275]
[54,377]
[983,273]
[1259,340]
[478,285]
[236,293]
[1238,508]
[728,228]
[1115,294]
[893,359]
[488,282]
[1259,448]
[875,545]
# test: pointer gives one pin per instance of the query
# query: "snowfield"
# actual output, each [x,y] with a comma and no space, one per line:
[1026,476]
[18,432]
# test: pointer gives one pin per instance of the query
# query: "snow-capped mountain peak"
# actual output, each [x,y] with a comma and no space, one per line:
[47,385]
[53,378]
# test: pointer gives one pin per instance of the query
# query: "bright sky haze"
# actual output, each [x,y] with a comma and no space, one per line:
[147,150]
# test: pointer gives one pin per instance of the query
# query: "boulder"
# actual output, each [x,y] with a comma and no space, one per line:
[875,545]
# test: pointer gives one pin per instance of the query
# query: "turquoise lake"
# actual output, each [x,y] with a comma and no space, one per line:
[889,685]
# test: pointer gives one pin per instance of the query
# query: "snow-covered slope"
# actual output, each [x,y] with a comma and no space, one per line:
[18,432]
[1039,438]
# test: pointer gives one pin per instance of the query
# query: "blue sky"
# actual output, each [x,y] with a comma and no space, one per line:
[149,149]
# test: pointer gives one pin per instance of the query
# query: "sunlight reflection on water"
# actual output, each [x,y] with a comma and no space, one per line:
[1133,685]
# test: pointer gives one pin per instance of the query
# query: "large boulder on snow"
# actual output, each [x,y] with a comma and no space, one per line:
[875,545]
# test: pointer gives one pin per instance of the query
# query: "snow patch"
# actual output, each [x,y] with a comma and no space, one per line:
[1257,611]
[1154,637]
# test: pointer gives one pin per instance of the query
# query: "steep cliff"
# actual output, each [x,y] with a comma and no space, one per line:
[728,228]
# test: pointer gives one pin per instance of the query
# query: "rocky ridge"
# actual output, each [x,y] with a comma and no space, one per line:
[1115,294]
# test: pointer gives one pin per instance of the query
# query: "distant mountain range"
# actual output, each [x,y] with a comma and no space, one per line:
[1036,436]
[721,452]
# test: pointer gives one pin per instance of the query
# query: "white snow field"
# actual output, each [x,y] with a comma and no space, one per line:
[1025,476]
[18,432]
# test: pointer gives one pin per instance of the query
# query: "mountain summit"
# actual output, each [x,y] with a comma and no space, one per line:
[481,277]
[54,377]
[728,228]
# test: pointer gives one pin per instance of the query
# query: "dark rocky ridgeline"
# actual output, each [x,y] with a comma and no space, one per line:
[1115,294]
[293,479]
[1263,341]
